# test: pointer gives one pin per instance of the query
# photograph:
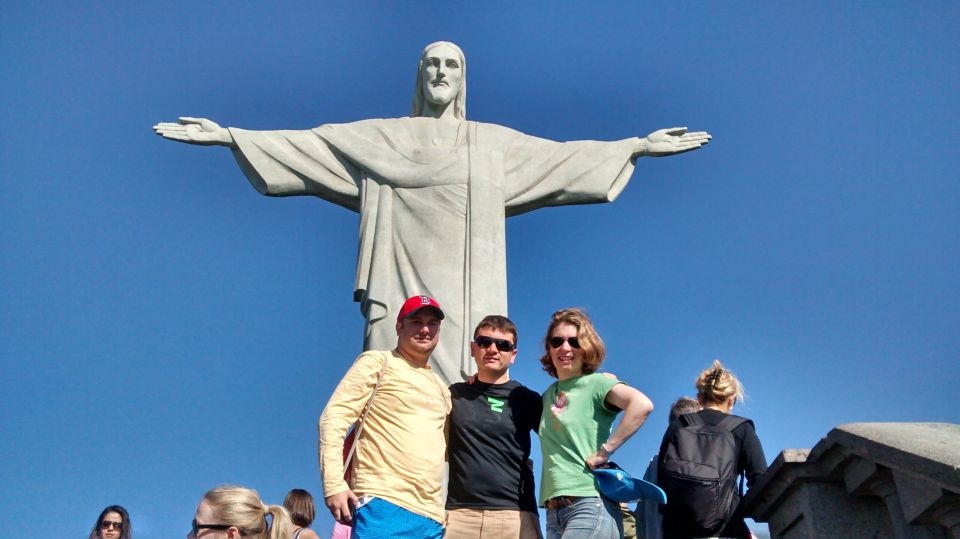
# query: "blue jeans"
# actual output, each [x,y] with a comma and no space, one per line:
[587,518]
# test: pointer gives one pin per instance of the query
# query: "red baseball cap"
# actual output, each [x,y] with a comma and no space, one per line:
[415,303]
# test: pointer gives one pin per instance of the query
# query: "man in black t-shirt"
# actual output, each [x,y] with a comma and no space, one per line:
[490,491]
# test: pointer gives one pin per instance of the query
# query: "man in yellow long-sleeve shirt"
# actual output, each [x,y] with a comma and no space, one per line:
[398,464]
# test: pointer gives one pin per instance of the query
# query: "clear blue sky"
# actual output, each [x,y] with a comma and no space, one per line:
[165,329]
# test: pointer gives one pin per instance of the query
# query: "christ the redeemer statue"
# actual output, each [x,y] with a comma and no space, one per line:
[433,191]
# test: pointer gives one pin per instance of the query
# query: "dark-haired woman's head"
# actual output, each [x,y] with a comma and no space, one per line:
[113,523]
[300,505]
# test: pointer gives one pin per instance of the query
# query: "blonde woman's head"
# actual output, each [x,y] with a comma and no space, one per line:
[717,386]
[239,512]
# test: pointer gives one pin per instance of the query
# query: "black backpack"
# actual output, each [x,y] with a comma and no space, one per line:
[699,472]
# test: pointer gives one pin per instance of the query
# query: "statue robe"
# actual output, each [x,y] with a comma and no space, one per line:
[432,196]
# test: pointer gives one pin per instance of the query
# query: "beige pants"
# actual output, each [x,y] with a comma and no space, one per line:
[492,524]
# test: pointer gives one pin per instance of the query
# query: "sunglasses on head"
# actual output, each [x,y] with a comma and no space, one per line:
[195,527]
[557,342]
[107,524]
[502,344]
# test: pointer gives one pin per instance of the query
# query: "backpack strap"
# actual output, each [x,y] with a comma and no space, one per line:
[731,422]
[366,408]
[690,419]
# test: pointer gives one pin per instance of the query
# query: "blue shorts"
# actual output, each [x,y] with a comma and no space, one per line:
[381,519]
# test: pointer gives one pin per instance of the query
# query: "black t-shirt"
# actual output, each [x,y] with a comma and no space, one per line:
[750,462]
[489,444]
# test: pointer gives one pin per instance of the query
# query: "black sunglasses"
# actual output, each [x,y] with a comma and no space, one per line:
[197,527]
[557,342]
[502,344]
[107,524]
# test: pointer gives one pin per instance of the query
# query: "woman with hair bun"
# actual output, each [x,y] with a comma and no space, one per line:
[113,523]
[232,512]
[700,443]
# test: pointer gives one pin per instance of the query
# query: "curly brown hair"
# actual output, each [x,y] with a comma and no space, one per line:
[592,345]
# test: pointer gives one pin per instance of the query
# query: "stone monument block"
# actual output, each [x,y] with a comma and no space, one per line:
[899,480]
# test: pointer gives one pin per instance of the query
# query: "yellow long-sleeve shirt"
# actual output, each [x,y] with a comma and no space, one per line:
[400,453]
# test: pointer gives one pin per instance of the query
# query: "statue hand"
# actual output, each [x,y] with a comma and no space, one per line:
[195,131]
[672,141]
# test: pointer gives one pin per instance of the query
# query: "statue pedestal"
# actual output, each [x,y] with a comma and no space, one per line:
[898,480]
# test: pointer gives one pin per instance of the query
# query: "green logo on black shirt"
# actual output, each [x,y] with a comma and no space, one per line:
[496,404]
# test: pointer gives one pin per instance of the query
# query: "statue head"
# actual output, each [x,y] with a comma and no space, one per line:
[426,88]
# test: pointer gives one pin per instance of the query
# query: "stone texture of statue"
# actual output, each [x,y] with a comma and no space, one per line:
[433,191]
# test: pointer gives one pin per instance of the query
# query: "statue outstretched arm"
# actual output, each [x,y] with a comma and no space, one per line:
[195,131]
[671,141]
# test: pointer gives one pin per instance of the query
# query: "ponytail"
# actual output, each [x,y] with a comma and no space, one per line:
[281,527]
[243,508]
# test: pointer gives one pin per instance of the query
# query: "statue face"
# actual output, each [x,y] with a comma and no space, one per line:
[442,75]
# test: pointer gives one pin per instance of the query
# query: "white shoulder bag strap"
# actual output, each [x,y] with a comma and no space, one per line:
[366,408]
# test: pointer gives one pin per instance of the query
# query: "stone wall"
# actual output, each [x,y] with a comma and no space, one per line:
[897,480]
